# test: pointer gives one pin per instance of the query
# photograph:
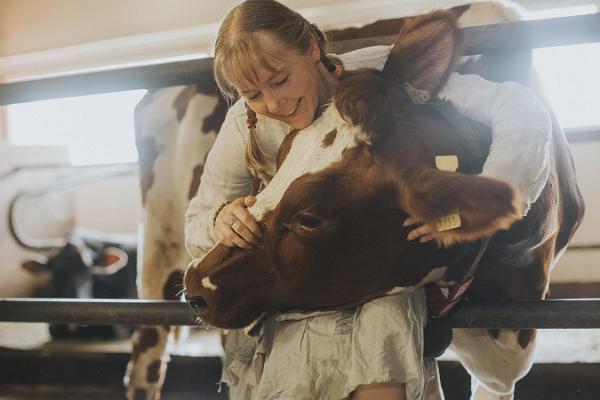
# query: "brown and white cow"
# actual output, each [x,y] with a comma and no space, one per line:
[332,216]
[175,129]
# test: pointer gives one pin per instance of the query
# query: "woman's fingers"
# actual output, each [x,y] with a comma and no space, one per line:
[410,221]
[242,230]
[421,231]
[235,226]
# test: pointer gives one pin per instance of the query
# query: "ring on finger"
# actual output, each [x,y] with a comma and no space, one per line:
[231,222]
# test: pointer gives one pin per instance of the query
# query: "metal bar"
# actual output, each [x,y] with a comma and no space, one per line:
[502,37]
[143,77]
[548,314]
[96,312]
[584,247]
[583,136]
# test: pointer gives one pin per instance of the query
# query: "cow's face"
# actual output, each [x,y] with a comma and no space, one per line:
[333,215]
[81,269]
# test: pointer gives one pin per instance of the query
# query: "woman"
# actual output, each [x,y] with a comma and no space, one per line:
[274,60]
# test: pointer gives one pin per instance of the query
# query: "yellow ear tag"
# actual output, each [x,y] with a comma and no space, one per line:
[449,222]
[417,96]
[446,163]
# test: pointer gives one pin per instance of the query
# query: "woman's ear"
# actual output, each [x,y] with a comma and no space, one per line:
[314,50]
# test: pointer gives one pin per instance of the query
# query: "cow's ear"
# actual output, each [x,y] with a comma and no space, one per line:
[112,260]
[424,54]
[35,266]
[474,206]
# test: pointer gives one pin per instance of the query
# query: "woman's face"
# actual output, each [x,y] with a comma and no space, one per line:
[293,92]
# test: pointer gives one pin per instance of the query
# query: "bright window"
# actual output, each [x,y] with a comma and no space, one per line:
[570,75]
[97,129]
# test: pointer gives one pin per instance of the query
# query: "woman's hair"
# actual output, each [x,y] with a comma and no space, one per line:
[237,45]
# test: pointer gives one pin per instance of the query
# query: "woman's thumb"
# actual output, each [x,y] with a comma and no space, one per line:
[249,201]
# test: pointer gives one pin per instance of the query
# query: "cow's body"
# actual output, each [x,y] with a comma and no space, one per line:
[172,153]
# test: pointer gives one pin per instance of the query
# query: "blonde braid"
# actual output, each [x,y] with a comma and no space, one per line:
[254,155]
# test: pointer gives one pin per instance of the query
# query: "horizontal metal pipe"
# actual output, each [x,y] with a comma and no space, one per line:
[483,39]
[548,314]
[97,311]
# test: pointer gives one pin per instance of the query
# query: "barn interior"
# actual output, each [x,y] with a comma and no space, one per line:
[68,170]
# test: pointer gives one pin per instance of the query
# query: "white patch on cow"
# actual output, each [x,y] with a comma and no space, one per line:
[434,275]
[398,289]
[307,155]
[208,284]
[496,363]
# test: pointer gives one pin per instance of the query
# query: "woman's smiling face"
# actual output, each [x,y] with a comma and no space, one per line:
[292,90]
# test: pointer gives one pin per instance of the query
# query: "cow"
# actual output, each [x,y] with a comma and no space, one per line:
[175,128]
[88,266]
[332,217]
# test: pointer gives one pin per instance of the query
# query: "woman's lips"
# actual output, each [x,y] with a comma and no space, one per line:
[293,110]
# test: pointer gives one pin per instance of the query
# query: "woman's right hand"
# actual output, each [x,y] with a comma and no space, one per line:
[235,226]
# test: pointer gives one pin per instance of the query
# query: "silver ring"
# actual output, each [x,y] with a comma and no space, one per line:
[231,222]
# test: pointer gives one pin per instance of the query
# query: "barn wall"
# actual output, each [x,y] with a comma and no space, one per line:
[111,205]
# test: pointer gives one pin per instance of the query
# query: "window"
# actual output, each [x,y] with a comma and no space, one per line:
[569,74]
[97,129]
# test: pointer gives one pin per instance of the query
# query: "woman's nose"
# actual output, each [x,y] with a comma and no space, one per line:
[273,103]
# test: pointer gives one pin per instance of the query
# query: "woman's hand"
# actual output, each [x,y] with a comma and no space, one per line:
[235,226]
[424,232]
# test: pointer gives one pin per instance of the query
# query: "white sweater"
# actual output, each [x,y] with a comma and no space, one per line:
[519,154]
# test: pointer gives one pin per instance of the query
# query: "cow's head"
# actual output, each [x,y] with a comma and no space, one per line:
[332,217]
[86,268]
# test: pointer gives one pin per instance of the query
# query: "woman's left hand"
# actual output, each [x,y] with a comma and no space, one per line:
[424,232]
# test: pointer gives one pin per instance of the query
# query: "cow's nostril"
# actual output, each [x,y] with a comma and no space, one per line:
[197,303]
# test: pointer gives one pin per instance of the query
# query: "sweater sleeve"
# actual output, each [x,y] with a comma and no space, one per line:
[521,130]
[225,178]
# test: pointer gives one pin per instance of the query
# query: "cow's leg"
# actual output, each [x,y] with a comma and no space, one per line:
[147,367]
[495,359]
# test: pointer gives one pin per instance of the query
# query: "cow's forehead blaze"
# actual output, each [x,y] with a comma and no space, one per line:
[309,155]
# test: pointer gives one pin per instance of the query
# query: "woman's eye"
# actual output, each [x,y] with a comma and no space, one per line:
[281,82]
[253,97]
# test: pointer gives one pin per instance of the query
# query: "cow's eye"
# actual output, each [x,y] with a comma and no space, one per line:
[309,221]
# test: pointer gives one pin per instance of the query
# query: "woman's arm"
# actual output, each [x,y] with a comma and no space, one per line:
[521,130]
[521,136]
[225,178]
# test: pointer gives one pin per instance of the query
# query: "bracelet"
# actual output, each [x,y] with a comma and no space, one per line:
[219,210]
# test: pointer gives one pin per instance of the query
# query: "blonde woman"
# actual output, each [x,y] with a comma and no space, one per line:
[274,62]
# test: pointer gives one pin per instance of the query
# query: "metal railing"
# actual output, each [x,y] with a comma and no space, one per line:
[548,314]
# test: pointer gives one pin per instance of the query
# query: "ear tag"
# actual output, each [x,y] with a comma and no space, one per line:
[417,96]
[449,222]
[446,163]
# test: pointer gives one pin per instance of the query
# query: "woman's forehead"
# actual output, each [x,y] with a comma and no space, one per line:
[264,58]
